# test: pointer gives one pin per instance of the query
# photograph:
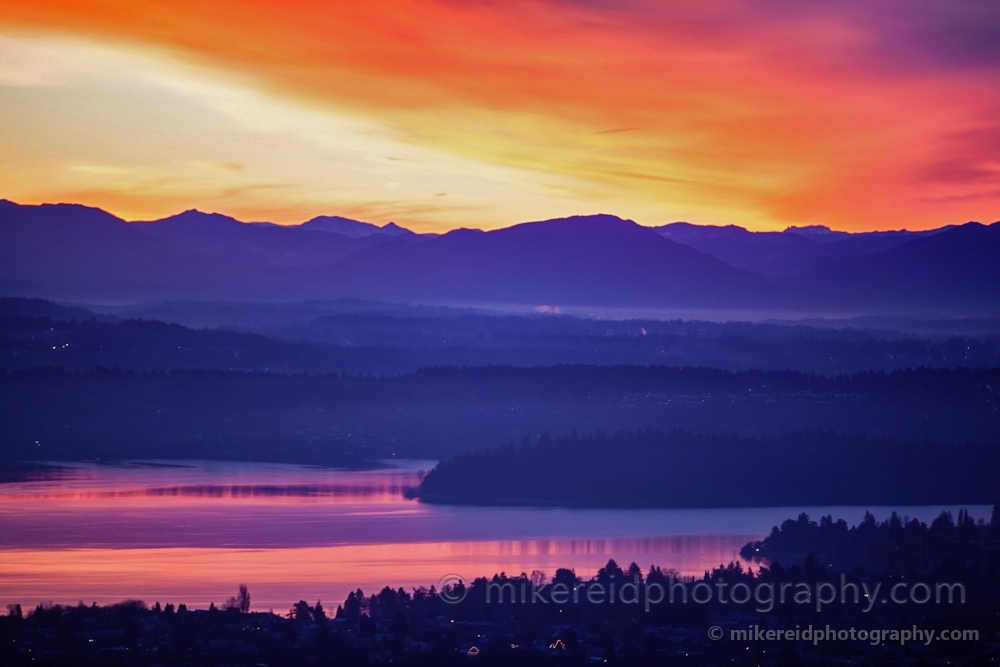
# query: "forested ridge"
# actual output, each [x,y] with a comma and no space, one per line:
[53,414]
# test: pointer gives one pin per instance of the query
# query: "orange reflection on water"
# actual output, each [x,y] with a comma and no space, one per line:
[279,577]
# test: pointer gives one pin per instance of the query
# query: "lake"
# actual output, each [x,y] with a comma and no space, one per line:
[192,531]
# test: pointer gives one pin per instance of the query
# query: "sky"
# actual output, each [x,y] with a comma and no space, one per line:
[466,113]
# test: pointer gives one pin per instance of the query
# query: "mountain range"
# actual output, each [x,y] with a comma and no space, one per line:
[783,253]
[75,253]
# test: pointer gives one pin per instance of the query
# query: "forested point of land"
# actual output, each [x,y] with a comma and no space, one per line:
[680,469]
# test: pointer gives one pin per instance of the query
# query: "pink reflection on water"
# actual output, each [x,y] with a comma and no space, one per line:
[217,480]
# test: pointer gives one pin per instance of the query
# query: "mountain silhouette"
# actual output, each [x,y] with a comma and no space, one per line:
[353,228]
[75,253]
[956,269]
[584,260]
[781,253]
[69,251]
[226,241]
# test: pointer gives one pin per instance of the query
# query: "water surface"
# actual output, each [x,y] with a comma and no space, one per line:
[193,531]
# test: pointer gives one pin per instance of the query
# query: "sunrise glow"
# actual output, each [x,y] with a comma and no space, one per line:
[440,114]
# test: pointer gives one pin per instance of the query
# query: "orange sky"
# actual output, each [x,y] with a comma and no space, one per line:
[446,114]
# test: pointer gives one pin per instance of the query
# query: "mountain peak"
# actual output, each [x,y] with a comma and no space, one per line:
[596,221]
[812,230]
[352,228]
[193,219]
[393,229]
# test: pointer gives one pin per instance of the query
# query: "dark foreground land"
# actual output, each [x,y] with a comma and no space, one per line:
[729,616]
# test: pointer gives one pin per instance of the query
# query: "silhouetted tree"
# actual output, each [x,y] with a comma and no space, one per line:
[241,602]
[301,611]
[244,599]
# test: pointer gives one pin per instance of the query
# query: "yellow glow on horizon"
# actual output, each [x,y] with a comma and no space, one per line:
[160,138]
